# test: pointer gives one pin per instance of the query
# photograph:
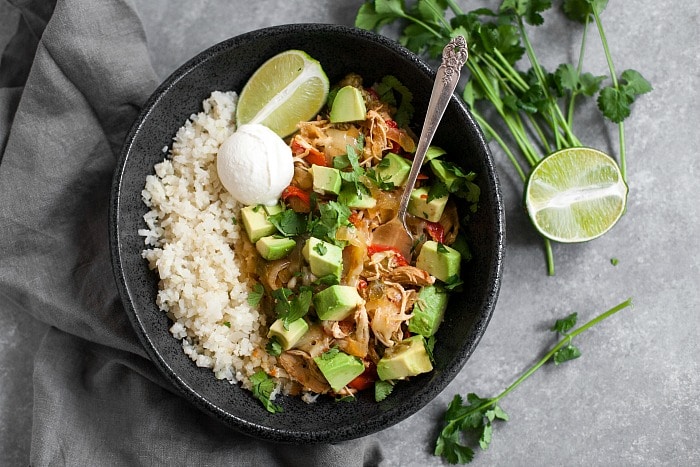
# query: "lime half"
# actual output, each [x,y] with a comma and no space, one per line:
[288,88]
[575,195]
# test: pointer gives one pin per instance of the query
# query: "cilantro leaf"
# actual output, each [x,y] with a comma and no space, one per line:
[382,389]
[290,307]
[274,347]
[321,249]
[288,222]
[374,15]
[563,325]
[263,386]
[634,83]
[529,10]
[388,89]
[332,215]
[565,354]
[256,294]
[580,10]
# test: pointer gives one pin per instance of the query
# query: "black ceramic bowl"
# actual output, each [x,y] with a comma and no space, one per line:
[227,66]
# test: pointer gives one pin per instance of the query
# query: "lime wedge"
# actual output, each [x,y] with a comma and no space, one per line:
[288,88]
[575,195]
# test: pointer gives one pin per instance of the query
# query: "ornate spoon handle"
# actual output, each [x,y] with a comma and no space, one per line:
[454,56]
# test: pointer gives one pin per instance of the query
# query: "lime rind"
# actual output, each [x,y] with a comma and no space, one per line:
[288,88]
[575,195]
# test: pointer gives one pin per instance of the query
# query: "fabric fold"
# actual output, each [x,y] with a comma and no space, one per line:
[98,400]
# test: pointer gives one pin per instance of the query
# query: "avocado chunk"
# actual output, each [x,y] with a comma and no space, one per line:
[432,153]
[428,310]
[339,368]
[336,302]
[288,337]
[419,206]
[348,105]
[324,258]
[408,358]
[349,197]
[326,179]
[394,169]
[274,247]
[255,220]
[439,260]
[442,171]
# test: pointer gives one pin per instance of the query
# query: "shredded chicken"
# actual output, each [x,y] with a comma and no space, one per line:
[301,368]
[410,275]
[387,314]
[357,342]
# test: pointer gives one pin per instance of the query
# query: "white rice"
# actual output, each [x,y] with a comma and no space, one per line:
[191,233]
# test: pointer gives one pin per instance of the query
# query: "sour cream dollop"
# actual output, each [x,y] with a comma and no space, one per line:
[255,165]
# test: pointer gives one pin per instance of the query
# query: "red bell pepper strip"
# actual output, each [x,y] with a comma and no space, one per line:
[293,191]
[365,379]
[313,156]
[436,231]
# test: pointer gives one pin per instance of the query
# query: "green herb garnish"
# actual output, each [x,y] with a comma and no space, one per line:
[382,389]
[290,307]
[289,223]
[274,347]
[535,107]
[256,294]
[263,386]
[476,416]
[392,91]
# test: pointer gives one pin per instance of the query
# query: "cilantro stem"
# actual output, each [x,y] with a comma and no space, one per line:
[549,255]
[616,84]
[566,340]
[579,69]
[494,134]
[557,117]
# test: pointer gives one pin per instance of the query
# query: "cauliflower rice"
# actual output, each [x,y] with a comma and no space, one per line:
[190,234]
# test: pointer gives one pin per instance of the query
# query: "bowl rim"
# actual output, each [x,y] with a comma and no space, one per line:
[362,428]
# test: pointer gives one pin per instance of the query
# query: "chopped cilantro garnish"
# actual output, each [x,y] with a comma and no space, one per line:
[382,389]
[289,223]
[290,307]
[263,386]
[256,294]
[273,347]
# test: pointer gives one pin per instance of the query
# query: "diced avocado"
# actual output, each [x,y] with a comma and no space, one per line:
[394,169]
[288,337]
[256,223]
[408,358]
[326,179]
[339,368]
[349,197]
[439,260]
[432,153]
[274,209]
[273,247]
[419,206]
[441,171]
[428,311]
[324,258]
[336,302]
[348,105]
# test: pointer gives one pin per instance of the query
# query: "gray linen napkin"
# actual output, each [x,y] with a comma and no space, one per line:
[71,83]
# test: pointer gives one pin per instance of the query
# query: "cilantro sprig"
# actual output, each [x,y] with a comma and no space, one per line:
[477,415]
[535,106]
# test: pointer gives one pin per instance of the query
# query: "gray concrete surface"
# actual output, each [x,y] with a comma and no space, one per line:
[633,398]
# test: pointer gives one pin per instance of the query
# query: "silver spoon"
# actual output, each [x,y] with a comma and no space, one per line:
[395,233]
